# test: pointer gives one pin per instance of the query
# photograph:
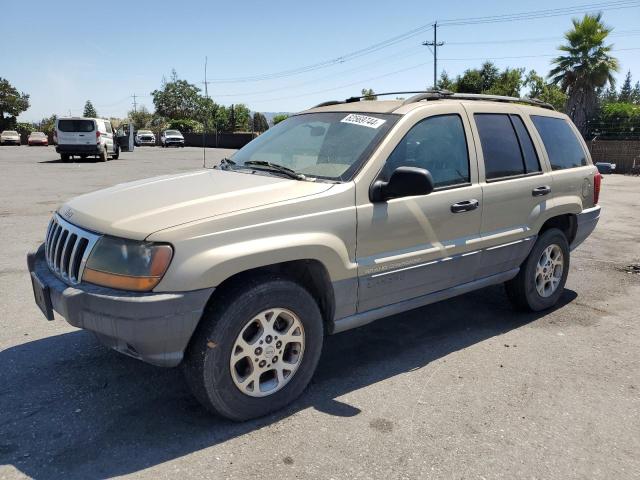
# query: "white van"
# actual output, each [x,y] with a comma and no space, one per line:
[83,137]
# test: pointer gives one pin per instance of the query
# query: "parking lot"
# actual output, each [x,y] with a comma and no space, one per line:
[465,388]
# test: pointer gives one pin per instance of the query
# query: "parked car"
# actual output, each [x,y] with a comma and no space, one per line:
[145,137]
[9,137]
[172,138]
[38,138]
[85,137]
[606,168]
[336,217]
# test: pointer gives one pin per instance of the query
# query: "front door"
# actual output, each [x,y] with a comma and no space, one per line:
[125,137]
[413,246]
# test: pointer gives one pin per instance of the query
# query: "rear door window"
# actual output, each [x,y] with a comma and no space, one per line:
[531,162]
[500,147]
[75,125]
[563,147]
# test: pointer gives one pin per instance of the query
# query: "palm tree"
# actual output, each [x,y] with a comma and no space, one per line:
[586,66]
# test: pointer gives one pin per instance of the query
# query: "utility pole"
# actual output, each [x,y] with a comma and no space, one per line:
[135,110]
[435,44]
[204,130]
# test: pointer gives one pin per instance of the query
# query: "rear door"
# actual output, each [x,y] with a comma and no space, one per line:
[516,186]
[109,136]
[125,137]
[76,131]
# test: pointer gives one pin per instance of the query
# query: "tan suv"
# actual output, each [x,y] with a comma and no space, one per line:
[338,216]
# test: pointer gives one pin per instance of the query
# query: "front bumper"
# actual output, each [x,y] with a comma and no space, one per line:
[586,223]
[10,141]
[153,327]
[174,141]
[92,149]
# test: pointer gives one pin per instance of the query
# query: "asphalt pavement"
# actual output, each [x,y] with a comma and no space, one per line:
[465,388]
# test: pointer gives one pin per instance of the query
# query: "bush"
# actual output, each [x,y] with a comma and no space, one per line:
[186,125]
[24,128]
[619,119]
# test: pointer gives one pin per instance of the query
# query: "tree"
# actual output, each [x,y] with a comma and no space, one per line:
[141,118]
[260,123]
[47,125]
[231,119]
[24,128]
[635,94]
[242,116]
[547,92]
[89,110]
[584,66]
[506,83]
[186,125]
[12,102]
[369,94]
[626,90]
[177,98]
[279,118]
[610,95]
[446,83]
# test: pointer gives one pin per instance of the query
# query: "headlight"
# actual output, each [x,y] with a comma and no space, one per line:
[127,264]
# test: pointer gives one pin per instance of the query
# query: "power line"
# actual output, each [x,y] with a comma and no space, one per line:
[531,15]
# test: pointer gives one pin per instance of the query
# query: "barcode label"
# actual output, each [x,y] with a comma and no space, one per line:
[363,120]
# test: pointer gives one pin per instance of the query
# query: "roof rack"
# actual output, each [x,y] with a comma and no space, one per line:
[440,94]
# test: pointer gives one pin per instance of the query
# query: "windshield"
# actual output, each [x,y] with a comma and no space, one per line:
[37,134]
[172,132]
[329,145]
[10,132]
[144,132]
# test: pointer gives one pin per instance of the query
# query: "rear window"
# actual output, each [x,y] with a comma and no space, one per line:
[75,125]
[563,147]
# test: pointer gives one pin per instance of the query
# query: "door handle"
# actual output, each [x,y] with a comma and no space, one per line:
[465,206]
[541,191]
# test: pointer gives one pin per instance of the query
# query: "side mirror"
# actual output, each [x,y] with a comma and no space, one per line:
[404,182]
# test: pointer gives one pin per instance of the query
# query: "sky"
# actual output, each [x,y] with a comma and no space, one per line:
[70,52]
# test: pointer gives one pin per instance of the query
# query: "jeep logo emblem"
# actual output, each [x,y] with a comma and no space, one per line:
[269,351]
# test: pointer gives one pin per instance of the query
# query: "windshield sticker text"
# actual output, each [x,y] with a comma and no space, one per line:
[363,120]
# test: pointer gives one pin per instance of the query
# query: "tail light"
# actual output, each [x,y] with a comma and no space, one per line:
[597,181]
[97,136]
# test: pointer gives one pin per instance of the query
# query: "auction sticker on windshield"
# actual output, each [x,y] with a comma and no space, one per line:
[363,120]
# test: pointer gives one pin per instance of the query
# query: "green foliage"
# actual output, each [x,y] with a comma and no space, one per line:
[260,123]
[547,92]
[177,99]
[486,79]
[446,83]
[584,66]
[231,119]
[369,94]
[12,102]
[280,117]
[626,90]
[186,125]
[24,128]
[89,110]
[242,116]
[47,125]
[141,118]
[618,119]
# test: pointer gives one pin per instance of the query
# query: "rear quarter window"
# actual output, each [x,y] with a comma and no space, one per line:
[76,125]
[560,141]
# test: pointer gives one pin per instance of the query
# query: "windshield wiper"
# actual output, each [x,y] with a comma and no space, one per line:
[226,163]
[274,167]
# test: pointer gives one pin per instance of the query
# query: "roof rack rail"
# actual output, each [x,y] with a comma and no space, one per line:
[439,94]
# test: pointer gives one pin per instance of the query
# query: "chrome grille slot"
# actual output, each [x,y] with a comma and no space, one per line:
[67,248]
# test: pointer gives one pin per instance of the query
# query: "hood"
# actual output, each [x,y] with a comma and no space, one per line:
[137,209]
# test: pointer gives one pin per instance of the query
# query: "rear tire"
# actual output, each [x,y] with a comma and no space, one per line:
[269,372]
[541,279]
[103,156]
[116,154]
[64,157]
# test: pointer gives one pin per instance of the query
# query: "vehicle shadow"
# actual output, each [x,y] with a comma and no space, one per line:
[70,408]
[75,160]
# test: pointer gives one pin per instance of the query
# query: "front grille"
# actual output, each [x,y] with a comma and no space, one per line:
[67,248]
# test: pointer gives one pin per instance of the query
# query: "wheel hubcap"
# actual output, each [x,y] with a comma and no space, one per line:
[549,270]
[267,352]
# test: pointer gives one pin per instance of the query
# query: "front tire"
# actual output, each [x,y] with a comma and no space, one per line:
[256,348]
[116,154]
[542,277]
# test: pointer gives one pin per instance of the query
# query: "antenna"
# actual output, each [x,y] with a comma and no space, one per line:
[204,130]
